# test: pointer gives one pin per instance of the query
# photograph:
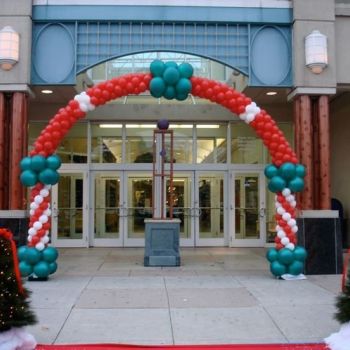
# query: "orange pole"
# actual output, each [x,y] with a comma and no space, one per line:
[16,200]
[3,165]
[306,150]
[324,152]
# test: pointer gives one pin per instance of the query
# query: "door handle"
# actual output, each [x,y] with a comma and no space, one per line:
[262,212]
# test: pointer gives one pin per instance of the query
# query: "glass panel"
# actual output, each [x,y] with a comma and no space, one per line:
[139,205]
[107,192]
[247,206]
[211,143]
[70,207]
[106,143]
[183,144]
[246,147]
[181,203]
[211,206]
[139,144]
[35,129]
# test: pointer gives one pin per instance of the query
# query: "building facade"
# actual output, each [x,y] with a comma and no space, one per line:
[105,189]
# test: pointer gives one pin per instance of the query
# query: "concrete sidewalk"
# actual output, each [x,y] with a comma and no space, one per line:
[217,296]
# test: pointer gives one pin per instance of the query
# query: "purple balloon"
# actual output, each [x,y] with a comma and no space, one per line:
[163,124]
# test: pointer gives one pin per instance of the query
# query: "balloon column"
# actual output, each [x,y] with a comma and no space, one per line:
[171,81]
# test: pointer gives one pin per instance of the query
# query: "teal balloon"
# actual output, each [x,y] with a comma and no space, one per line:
[32,256]
[41,269]
[171,64]
[183,86]
[296,185]
[157,68]
[49,176]
[271,171]
[21,253]
[300,170]
[271,255]
[278,269]
[52,267]
[300,253]
[26,163]
[287,171]
[171,75]
[53,162]
[28,178]
[181,97]
[185,70]
[157,87]
[25,269]
[169,93]
[276,184]
[50,254]
[285,256]
[38,163]
[296,268]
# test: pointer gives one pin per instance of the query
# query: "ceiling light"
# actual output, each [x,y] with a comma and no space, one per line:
[143,126]
[111,126]
[46,91]
[271,93]
[181,126]
[208,126]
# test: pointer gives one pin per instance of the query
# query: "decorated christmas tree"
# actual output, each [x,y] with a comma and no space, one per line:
[341,340]
[15,312]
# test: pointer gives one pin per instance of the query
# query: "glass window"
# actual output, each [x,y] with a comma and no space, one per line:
[139,139]
[211,143]
[73,147]
[106,143]
[246,146]
[183,144]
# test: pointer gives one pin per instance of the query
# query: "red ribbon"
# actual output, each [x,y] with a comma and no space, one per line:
[8,235]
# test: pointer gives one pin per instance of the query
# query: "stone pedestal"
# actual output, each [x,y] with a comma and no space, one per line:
[320,234]
[17,222]
[162,242]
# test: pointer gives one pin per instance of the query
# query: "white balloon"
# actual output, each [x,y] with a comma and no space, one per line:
[291,222]
[290,246]
[243,116]
[38,199]
[45,239]
[281,234]
[47,212]
[32,231]
[286,216]
[278,204]
[286,192]
[29,238]
[280,211]
[38,225]
[40,246]
[250,117]
[48,187]
[295,229]
[290,198]
[285,240]
[34,206]
[43,219]
[278,228]
[31,212]
[293,204]
[44,192]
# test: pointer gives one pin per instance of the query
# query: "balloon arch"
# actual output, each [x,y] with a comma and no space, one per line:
[171,81]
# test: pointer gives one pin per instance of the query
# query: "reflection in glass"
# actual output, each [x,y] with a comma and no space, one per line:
[211,210]
[247,206]
[139,145]
[70,206]
[139,205]
[107,193]
[181,203]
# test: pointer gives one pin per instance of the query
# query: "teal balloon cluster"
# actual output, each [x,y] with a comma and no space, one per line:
[37,263]
[288,175]
[286,261]
[170,80]
[40,169]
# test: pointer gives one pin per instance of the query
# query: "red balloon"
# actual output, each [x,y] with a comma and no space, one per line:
[47,225]
[279,246]
[74,104]
[220,96]
[35,240]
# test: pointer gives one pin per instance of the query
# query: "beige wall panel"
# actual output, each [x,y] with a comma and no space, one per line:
[342,44]
[315,10]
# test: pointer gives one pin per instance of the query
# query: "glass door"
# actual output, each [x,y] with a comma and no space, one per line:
[69,214]
[210,209]
[248,209]
[139,207]
[107,210]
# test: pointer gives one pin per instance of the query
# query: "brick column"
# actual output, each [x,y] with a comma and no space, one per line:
[18,122]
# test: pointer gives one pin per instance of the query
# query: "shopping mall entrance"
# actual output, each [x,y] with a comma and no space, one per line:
[108,208]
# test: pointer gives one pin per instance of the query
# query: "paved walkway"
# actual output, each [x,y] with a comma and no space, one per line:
[217,296]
